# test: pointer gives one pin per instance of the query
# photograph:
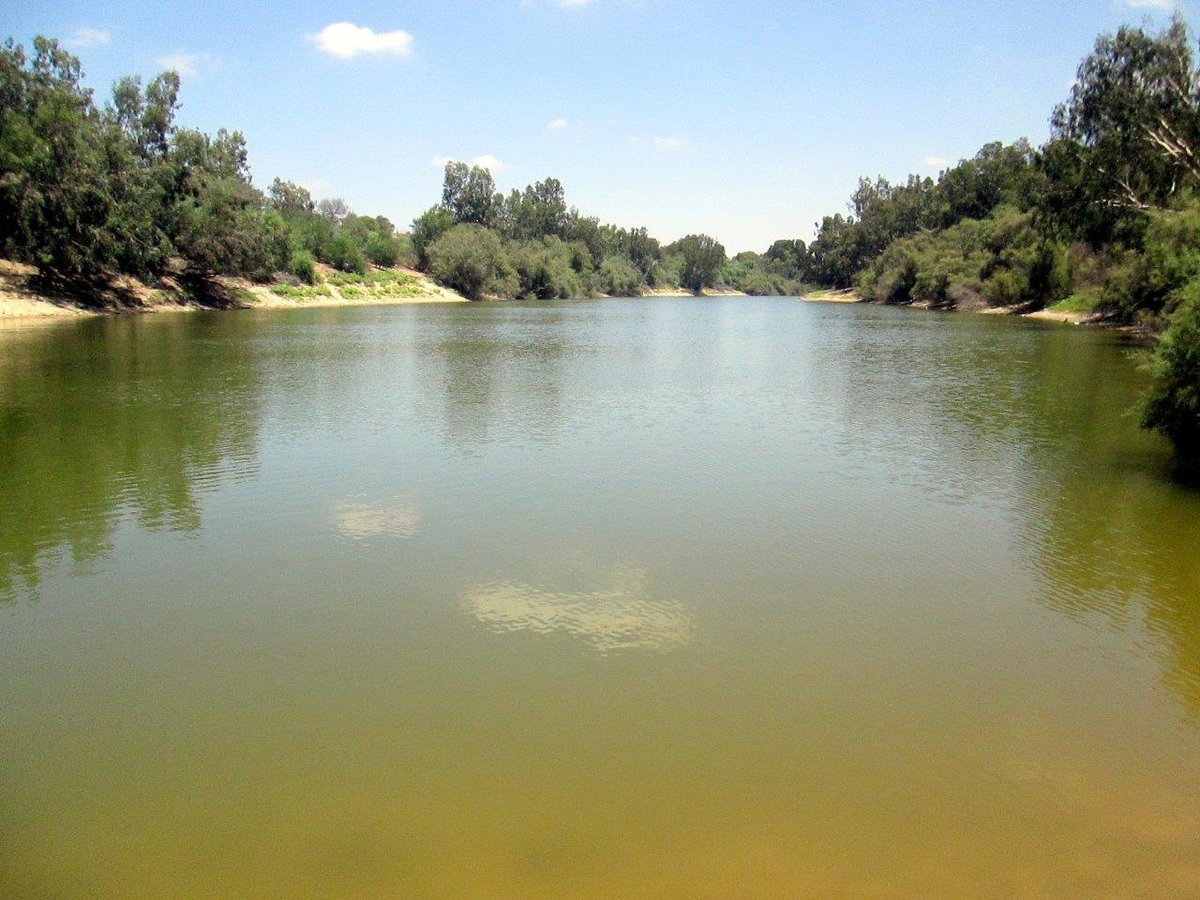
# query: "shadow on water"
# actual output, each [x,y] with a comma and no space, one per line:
[115,417]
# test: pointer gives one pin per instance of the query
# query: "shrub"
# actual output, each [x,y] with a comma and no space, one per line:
[382,249]
[345,255]
[467,259]
[303,266]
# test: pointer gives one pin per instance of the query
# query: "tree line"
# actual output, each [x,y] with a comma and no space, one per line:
[530,244]
[87,191]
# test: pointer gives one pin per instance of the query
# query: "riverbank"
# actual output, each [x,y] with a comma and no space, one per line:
[679,292]
[1064,317]
[21,297]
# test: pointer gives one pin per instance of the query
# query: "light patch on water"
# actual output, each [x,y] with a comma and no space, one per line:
[620,616]
[356,519]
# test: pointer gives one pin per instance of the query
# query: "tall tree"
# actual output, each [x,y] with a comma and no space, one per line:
[1128,138]
[469,193]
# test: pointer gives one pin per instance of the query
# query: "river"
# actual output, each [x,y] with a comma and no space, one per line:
[737,597]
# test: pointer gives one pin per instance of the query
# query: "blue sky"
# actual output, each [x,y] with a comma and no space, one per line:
[746,121]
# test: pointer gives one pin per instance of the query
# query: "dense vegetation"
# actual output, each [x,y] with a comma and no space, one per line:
[87,191]
[1104,218]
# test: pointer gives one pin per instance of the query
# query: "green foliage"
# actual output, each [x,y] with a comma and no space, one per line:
[382,249]
[374,283]
[541,211]
[55,196]
[301,292]
[701,258]
[427,228]
[87,191]
[467,258]
[345,255]
[469,193]
[1173,404]
[619,277]
[999,261]
[303,266]
[1127,138]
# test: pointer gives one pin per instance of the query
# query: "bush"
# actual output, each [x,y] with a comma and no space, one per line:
[619,277]
[1173,403]
[467,259]
[545,269]
[345,255]
[427,230]
[303,266]
[382,250]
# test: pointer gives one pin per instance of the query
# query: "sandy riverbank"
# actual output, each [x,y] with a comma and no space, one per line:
[678,292]
[22,298]
[1045,315]
[832,297]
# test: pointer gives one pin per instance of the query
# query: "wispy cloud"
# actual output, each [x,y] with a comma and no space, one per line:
[935,162]
[87,37]
[186,63]
[557,125]
[1153,4]
[487,161]
[346,40]
[669,143]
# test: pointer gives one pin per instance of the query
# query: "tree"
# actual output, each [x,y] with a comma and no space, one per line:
[1128,138]
[701,261]
[541,211]
[469,193]
[335,209]
[54,191]
[290,199]
[426,229]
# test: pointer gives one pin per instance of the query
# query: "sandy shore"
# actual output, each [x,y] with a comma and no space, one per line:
[832,297]
[20,299]
[1045,315]
[679,292]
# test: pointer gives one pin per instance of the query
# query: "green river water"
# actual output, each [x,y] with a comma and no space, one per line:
[632,598]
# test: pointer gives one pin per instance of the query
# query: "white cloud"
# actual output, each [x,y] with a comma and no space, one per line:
[346,41]
[557,125]
[487,161]
[184,63]
[570,3]
[88,37]
[1152,4]
[669,143]
[936,162]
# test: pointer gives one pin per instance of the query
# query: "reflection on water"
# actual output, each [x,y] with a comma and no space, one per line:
[618,616]
[112,416]
[397,517]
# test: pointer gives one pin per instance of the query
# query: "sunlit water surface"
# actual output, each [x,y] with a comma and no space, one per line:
[631,598]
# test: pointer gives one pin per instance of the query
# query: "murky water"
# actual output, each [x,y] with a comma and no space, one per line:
[654,598]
